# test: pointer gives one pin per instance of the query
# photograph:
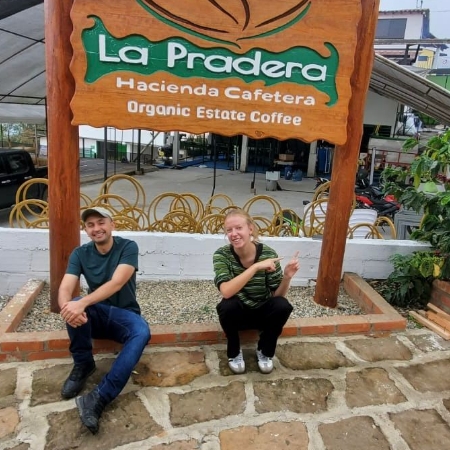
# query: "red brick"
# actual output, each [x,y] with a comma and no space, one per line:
[367,298]
[58,344]
[19,305]
[196,336]
[441,296]
[440,299]
[308,326]
[106,344]
[382,319]
[25,346]
[351,324]
[39,356]
[442,285]
[290,330]
[317,330]
[353,328]
[163,338]
[193,332]
[389,325]
[11,357]
[164,333]
[387,322]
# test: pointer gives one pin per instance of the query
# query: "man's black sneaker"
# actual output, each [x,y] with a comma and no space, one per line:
[90,407]
[76,380]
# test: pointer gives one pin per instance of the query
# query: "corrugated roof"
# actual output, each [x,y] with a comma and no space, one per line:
[405,11]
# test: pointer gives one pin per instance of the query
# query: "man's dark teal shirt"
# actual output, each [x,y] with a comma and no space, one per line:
[98,269]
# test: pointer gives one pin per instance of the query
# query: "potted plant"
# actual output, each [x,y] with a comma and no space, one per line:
[412,278]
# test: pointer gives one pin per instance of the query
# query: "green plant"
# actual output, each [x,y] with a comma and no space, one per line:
[431,165]
[435,229]
[412,276]
[410,281]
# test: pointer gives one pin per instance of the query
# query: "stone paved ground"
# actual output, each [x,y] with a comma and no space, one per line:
[346,393]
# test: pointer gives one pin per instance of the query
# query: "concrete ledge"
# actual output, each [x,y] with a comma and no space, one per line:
[380,319]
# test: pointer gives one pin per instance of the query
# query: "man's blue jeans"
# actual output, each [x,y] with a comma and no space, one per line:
[119,325]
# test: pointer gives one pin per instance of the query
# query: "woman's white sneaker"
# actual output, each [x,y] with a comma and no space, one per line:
[265,363]
[237,364]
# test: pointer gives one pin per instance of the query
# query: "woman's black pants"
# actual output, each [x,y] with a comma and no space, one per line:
[269,319]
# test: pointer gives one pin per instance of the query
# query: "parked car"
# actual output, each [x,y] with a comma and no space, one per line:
[16,167]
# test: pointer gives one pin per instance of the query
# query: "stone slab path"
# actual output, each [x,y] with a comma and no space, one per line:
[345,393]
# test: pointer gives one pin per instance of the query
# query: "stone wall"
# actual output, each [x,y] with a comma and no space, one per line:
[24,254]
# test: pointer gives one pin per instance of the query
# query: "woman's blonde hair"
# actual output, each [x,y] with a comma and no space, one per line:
[248,218]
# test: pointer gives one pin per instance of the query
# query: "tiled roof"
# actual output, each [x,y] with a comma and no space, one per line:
[407,11]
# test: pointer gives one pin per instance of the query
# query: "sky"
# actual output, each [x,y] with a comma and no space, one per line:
[439,13]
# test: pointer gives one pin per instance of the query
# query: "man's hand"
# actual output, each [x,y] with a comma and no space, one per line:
[292,266]
[73,313]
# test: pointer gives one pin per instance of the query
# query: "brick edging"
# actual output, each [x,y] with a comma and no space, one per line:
[29,346]
[440,295]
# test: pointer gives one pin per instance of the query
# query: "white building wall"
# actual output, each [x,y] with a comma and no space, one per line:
[91,135]
[413,30]
[380,110]
[119,135]
[414,24]
[179,256]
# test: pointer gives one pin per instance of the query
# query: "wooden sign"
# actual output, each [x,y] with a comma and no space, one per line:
[255,67]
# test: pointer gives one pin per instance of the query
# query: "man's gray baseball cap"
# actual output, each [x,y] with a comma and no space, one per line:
[96,210]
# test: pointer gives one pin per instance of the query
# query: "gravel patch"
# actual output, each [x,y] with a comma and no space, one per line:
[173,302]
[4,299]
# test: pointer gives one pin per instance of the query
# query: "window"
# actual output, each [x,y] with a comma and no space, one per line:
[422,58]
[17,163]
[391,29]
[2,168]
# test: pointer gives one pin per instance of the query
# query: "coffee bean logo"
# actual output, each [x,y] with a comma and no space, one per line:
[228,21]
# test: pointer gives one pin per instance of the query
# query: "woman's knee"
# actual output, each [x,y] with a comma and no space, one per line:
[282,306]
[229,306]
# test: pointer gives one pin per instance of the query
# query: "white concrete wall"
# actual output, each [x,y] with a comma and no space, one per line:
[163,256]
[119,135]
[414,23]
[92,135]
[380,110]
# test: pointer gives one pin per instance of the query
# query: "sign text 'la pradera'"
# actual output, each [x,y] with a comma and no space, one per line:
[300,65]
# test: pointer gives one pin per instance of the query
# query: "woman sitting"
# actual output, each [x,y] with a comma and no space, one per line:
[249,276]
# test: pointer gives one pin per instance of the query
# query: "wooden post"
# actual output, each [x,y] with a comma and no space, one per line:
[63,151]
[345,164]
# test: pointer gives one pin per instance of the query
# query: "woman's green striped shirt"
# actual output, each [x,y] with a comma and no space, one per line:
[260,287]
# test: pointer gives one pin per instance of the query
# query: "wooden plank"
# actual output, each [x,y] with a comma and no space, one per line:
[436,318]
[431,325]
[438,311]
[63,151]
[252,91]
[345,166]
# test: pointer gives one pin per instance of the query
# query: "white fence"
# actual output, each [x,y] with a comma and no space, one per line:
[24,254]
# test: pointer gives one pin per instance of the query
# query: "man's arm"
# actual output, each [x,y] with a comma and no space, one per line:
[66,288]
[120,276]
[65,293]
